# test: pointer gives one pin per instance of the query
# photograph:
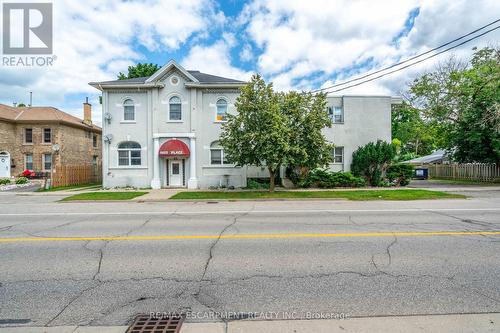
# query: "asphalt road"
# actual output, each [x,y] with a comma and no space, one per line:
[247,257]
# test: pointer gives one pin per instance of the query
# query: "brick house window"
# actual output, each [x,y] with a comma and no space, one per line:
[94,160]
[47,135]
[28,162]
[28,135]
[47,162]
[94,140]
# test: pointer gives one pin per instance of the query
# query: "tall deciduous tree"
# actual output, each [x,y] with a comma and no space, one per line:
[139,70]
[463,100]
[276,129]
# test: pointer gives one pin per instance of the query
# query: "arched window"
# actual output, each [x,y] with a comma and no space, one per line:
[128,110]
[175,108]
[221,110]
[129,153]
[217,156]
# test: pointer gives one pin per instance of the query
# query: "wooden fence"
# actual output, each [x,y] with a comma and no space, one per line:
[468,171]
[65,175]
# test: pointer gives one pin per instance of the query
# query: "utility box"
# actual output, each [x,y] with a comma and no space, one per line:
[421,173]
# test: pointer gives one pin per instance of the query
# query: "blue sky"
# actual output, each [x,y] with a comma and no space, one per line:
[296,44]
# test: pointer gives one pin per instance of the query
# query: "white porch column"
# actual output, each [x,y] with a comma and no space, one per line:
[155,183]
[193,180]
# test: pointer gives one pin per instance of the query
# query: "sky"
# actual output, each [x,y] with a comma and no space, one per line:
[296,44]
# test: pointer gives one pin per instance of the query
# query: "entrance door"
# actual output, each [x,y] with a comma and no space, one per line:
[4,165]
[175,173]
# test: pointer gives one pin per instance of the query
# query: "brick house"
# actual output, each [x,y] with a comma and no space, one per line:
[27,135]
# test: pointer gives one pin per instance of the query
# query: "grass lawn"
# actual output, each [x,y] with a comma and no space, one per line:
[70,187]
[358,195]
[463,182]
[92,196]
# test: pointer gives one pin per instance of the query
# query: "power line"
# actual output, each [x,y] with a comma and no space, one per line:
[410,59]
[416,62]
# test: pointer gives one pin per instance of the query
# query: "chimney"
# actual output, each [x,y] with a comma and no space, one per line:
[87,112]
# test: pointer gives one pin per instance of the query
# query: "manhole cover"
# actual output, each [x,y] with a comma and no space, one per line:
[163,324]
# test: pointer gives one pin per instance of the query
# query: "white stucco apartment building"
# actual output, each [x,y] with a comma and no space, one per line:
[163,130]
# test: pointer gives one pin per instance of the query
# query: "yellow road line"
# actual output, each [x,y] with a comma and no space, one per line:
[250,236]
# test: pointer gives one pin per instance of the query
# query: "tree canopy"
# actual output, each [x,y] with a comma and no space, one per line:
[456,107]
[139,70]
[276,129]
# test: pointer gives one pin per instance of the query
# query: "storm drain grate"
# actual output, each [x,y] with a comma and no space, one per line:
[163,324]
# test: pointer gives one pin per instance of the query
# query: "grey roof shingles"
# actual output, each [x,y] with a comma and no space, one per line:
[202,77]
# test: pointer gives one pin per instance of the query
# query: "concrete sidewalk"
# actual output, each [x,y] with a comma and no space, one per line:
[470,323]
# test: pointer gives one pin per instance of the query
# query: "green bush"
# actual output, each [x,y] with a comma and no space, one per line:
[21,180]
[371,161]
[257,184]
[400,174]
[327,179]
[4,181]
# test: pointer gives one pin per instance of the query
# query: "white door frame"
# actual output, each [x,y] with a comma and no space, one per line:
[5,173]
[175,180]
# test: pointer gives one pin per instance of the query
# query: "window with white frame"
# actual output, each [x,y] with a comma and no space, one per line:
[128,110]
[174,108]
[336,114]
[28,162]
[47,162]
[338,155]
[221,106]
[217,156]
[129,153]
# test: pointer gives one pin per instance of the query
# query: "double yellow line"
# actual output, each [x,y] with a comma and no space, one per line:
[249,236]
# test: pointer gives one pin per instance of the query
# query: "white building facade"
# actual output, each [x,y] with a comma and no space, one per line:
[162,131]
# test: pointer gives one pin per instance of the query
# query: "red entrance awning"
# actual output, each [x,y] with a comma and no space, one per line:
[174,148]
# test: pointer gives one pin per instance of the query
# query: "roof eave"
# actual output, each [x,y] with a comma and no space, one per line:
[101,86]
[216,85]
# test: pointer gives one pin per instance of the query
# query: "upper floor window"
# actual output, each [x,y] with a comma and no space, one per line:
[128,110]
[94,140]
[338,155]
[217,156]
[129,153]
[47,135]
[221,110]
[175,108]
[336,114]
[28,135]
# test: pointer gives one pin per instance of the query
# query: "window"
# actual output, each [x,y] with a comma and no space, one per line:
[338,155]
[221,110]
[175,109]
[47,161]
[28,135]
[217,156]
[336,114]
[94,160]
[94,140]
[28,162]
[47,135]
[128,110]
[129,153]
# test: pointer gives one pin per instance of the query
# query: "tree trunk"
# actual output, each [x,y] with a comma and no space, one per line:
[271,179]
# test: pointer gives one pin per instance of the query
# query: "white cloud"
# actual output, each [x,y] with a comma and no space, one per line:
[215,59]
[300,38]
[96,39]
